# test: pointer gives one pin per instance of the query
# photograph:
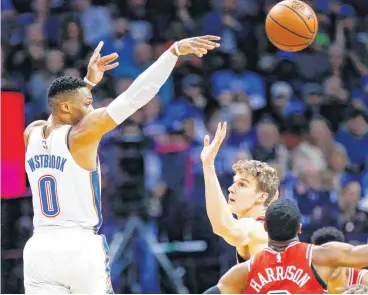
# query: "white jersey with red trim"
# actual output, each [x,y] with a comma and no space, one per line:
[64,195]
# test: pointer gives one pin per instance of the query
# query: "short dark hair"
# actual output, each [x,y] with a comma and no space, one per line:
[282,220]
[64,84]
[327,234]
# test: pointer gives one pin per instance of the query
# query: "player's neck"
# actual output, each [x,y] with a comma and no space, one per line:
[254,212]
[55,122]
[280,246]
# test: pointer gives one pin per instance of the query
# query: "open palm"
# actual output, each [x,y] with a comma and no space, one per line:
[210,150]
[99,64]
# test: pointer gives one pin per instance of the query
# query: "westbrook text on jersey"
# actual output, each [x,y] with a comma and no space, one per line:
[46,161]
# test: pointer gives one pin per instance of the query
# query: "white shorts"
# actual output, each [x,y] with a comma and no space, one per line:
[66,261]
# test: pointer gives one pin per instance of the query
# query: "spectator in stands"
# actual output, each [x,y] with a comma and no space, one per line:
[28,57]
[190,104]
[352,219]
[354,137]
[121,42]
[241,134]
[72,44]
[49,23]
[269,147]
[283,103]
[154,125]
[141,20]
[41,80]
[320,135]
[241,82]
[95,20]
[318,205]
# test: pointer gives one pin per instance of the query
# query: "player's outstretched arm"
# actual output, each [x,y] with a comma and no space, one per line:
[235,232]
[336,254]
[143,89]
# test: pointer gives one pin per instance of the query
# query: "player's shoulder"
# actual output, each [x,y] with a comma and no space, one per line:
[251,222]
[30,127]
[255,228]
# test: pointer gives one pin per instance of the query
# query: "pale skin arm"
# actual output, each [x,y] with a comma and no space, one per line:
[234,281]
[336,254]
[236,232]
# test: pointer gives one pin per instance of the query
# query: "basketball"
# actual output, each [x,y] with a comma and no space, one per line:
[291,25]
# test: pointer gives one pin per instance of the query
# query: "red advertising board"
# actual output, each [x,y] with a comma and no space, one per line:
[13,178]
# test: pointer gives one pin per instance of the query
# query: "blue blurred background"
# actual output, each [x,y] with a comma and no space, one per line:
[304,113]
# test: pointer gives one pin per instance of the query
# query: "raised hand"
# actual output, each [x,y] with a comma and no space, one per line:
[209,151]
[99,64]
[197,45]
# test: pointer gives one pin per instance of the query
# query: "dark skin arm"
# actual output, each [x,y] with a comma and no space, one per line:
[234,281]
[326,258]
[336,254]
[86,135]
[96,68]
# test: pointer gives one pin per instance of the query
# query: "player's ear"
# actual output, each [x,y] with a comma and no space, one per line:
[263,197]
[65,107]
[265,226]
[300,229]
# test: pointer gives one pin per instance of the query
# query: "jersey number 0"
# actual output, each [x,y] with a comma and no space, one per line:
[48,196]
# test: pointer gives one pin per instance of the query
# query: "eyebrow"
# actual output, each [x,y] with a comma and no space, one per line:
[242,179]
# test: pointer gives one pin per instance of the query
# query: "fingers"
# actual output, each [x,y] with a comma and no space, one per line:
[200,44]
[210,37]
[109,58]
[110,67]
[208,43]
[98,49]
[220,135]
[196,50]
[206,141]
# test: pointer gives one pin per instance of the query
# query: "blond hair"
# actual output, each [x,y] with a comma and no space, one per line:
[268,180]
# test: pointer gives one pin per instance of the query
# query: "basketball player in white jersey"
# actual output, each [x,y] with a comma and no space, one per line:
[65,253]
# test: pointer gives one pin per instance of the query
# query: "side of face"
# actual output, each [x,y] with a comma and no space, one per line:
[75,107]
[244,193]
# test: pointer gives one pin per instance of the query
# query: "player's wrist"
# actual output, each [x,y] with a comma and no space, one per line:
[208,166]
[174,49]
[89,82]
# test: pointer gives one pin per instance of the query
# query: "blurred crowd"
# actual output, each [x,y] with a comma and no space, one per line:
[304,113]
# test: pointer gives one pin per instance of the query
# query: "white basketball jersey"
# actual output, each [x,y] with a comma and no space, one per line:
[63,194]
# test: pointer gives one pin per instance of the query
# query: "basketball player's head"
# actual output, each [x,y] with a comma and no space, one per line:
[255,184]
[282,220]
[327,234]
[69,99]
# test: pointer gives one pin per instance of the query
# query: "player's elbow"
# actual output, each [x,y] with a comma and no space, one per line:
[219,229]
[234,237]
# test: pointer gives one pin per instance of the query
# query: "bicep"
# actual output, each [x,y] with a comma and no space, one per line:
[234,281]
[336,254]
[245,231]
[29,129]
[93,126]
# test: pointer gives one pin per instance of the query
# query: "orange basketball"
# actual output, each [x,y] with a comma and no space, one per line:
[291,25]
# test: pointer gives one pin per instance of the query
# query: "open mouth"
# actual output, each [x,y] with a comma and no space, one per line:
[231,200]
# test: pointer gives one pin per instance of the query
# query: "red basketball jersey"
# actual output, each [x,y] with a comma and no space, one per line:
[356,275]
[287,272]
